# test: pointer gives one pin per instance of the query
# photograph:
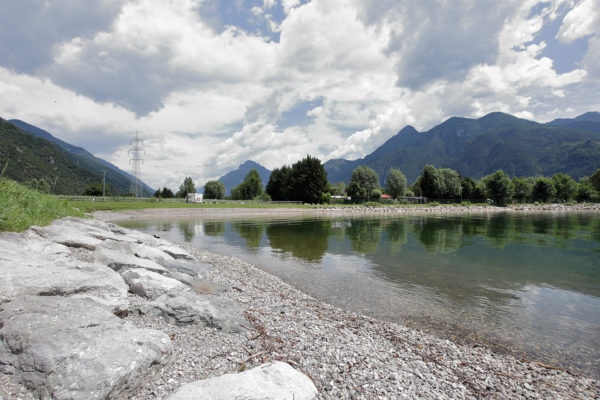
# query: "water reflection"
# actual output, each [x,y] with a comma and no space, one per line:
[307,240]
[533,280]
[252,232]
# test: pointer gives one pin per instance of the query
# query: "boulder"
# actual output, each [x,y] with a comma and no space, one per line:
[119,256]
[32,265]
[67,235]
[272,381]
[150,284]
[65,348]
[176,252]
[192,308]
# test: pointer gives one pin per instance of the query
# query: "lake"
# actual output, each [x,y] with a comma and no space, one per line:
[526,284]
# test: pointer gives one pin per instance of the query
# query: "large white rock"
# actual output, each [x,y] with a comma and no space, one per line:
[32,265]
[151,284]
[192,308]
[120,256]
[273,381]
[65,348]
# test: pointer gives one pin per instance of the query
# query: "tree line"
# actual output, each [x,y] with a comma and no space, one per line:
[306,181]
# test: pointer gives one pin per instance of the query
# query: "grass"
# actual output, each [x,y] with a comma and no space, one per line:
[21,207]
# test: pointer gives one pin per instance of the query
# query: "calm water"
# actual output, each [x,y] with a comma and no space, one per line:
[527,284]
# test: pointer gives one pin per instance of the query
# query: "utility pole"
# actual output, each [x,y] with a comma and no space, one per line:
[103,183]
[136,151]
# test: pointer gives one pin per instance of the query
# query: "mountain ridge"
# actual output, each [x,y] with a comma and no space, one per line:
[235,177]
[118,179]
[477,147]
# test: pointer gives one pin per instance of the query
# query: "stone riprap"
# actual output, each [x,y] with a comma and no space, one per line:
[64,289]
[61,291]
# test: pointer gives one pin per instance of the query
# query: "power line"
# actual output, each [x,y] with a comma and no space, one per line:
[136,151]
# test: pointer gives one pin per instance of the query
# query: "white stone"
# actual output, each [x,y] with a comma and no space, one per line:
[272,381]
[150,284]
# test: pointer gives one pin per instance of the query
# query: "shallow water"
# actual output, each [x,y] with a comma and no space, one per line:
[527,284]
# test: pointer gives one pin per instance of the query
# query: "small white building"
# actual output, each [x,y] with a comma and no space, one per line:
[194,198]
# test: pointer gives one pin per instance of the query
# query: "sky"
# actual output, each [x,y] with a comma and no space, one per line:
[209,84]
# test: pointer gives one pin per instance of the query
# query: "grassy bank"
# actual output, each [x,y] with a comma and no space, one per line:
[21,207]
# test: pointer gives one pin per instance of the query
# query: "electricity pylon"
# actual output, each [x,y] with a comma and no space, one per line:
[136,151]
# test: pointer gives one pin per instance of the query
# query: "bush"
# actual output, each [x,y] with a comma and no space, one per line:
[325,198]
[264,196]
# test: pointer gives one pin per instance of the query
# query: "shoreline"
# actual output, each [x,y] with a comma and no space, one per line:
[169,213]
[346,355]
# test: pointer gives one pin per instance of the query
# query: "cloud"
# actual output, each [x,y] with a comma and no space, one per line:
[210,84]
[582,20]
[30,30]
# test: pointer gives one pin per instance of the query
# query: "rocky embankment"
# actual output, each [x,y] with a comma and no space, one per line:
[90,310]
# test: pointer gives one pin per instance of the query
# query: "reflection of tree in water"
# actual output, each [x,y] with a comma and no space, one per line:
[500,229]
[214,228]
[439,235]
[187,229]
[364,235]
[251,231]
[304,239]
[397,232]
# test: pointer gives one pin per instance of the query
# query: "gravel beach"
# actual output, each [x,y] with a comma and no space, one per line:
[346,355]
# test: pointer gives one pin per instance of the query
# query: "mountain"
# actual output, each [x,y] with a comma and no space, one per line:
[478,147]
[234,178]
[24,157]
[117,179]
[589,121]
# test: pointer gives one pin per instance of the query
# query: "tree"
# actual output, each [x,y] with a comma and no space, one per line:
[522,188]
[250,188]
[595,180]
[93,189]
[565,186]
[498,187]
[543,190]
[586,192]
[452,187]
[279,183]
[214,190]
[468,186]
[365,181]
[186,187]
[165,193]
[442,183]
[430,183]
[339,189]
[308,180]
[395,183]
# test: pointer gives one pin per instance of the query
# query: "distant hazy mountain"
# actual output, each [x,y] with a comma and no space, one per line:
[115,177]
[26,157]
[234,178]
[478,147]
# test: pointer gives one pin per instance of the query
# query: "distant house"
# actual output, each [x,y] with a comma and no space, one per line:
[386,196]
[194,198]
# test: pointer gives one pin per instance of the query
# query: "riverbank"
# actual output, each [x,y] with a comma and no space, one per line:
[347,356]
[172,213]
